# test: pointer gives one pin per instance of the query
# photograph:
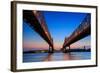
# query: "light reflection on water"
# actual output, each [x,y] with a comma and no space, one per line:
[40,57]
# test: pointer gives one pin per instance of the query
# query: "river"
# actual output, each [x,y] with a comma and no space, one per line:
[59,56]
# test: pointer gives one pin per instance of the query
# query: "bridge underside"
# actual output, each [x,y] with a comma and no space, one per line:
[30,18]
[81,35]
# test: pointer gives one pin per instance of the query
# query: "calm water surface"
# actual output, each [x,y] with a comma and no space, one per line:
[39,57]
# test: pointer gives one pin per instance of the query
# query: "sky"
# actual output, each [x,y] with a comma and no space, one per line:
[60,25]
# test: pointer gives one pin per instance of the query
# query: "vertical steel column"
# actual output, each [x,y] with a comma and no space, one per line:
[50,49]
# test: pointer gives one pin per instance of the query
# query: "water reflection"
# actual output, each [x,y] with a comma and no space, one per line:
[48,58]
[40,57]
[67,56]
[60,56]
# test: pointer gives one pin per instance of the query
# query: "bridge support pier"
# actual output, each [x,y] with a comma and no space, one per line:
[50,49]
[69,47]
[64,50]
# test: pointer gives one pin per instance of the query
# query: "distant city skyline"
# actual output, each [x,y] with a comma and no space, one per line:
[60,25]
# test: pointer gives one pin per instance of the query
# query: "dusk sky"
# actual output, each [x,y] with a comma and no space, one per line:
[60,25]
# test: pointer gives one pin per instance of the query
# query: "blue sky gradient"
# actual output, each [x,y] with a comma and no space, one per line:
[60,25]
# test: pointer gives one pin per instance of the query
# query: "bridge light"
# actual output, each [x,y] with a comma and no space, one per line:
[46,32]
[34,12]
